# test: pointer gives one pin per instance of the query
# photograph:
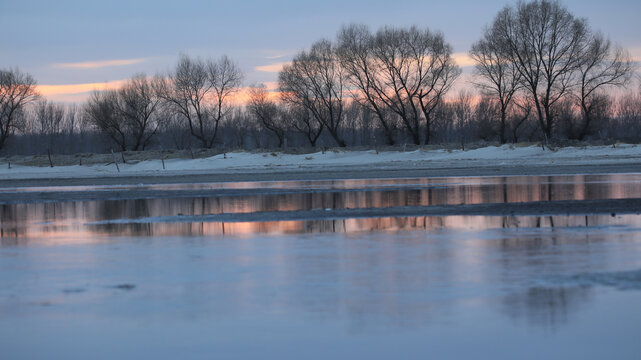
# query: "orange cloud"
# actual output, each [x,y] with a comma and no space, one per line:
[242,96]
[98,64]
[272,68]
[47,90]
[76,92]
[463,59]
[271,86]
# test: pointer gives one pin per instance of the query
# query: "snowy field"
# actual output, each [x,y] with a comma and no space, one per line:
[334,160]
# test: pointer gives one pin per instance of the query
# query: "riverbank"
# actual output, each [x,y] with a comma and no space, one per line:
[334,164]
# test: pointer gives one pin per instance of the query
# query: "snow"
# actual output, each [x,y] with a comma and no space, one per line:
[257,162]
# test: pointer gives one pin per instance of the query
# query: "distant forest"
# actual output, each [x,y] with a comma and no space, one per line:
[541,74]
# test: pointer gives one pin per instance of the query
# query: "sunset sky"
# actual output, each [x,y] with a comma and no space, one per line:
[74,47]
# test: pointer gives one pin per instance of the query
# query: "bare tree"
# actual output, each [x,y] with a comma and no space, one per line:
[521,112]
[485,118]
[407,71]
[499,76]
[399,77]
[628,107]
[103,112]
[73,120]
[355,51]
[186,91]
[130,116]
[16,91]
[546,43]
[417,71]
[240,130]
[440,70]
[463,109]
[267,112]
[316,81]
[299,119]
[225,78]
[628,113]
[46,120]
[602,66]
[199,92]
[138,104]
[48,117]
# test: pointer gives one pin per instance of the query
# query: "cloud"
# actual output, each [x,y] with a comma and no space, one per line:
[272,68]
[76,92]
[273,57]
[241,97]
[78,88]
[463,59]
[273,54]
[99,64]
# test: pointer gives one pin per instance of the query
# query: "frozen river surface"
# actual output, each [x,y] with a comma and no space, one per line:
[119,277]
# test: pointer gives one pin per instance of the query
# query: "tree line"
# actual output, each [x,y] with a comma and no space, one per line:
[540,74]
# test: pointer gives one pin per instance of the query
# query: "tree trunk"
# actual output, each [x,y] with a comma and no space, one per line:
[428,130]
[540,115]
[586,123]
[502,127]
[336,138]
[389,135]
[548,123]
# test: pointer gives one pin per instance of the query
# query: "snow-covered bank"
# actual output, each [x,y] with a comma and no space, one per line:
[244,162]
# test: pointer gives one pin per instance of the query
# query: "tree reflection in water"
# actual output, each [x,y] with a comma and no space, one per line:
[547,307]
[58,220]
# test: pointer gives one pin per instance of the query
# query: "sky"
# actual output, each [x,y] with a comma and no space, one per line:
[75,47]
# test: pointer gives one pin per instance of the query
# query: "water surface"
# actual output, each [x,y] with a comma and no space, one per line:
[413,287]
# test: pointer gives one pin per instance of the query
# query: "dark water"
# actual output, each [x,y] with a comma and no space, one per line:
[72,286]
